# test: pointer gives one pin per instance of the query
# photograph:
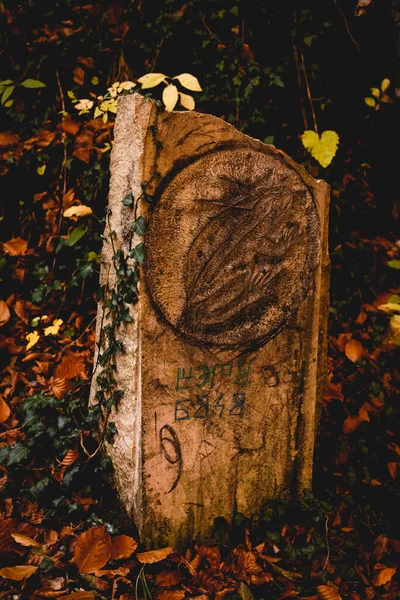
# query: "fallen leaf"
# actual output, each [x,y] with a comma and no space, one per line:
[16,247]
[245,592]
[25,540]
[168,579]
[170,595]
[69,458]
[154,556]
[353,421]
[79,596]
[327,593]
[79,210]
[72,365]
[383,576]
[92,550]
[392,467]
[5,410]
[353,350]
[4,313]
[32,339]
[53,329]
[122,546]
[7,138]
[18,573]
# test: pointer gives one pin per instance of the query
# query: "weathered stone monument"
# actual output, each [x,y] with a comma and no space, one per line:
[224,360]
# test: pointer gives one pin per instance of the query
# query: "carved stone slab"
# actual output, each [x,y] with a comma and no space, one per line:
[224,363]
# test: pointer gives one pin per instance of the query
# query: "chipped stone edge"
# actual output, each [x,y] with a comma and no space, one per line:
[127,173]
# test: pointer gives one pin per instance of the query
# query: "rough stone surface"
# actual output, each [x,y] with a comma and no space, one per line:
[224,364]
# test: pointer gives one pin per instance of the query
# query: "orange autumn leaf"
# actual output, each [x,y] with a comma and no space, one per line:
[4,313]
[353,350]
[154,556]
[170,595]
[18,573]
[25,540]
[327,593]
[92,550]
[69,458]
[383,576]
[353,421]
[122,546]
[168,579]
[79,596]
[16,247]
[392,467]
[72,365]
[7,138]
[5,410]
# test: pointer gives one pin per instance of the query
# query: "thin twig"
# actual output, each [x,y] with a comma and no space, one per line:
[303,65]
[78,338]
[300,84]
[328,550]
[64,162]
[347,26]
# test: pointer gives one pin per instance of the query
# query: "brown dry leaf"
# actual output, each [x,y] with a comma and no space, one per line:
[72,365]
[327,593]
[4,313]
[18,573]
[211,554]
[16,247]
[353,421]
[384,576]
[25,540]
[353,350]
[168,579]
[50,537]
[79,75]
[92,550]
[69,125]
[154,556]
[111,573]
[7,138]
[5,410]
[80,596]
[69,458]
[58,387]
[122,546]
[392,467]
[170,595]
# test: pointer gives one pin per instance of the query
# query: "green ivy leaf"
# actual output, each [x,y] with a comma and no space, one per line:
[138,253]
[18,452]
[128,200]
[32,83]
[139,226]
[75,235]
[85,270]
[245,592]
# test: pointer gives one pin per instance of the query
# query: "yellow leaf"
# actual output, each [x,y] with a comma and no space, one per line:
[53,329]
[24,540]
[32,338]
[170,97]
[309,139]
[18,573]
[95,80]
[97,112]
[383,576]
[385,84]
[370,102]
[187,101]
[40,170]
[323,148]
[390,307]
[190,82]
[375,92]
[395,323]
[151,80]
[77,211]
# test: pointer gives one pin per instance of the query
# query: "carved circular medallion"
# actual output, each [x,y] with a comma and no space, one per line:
[231,246]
